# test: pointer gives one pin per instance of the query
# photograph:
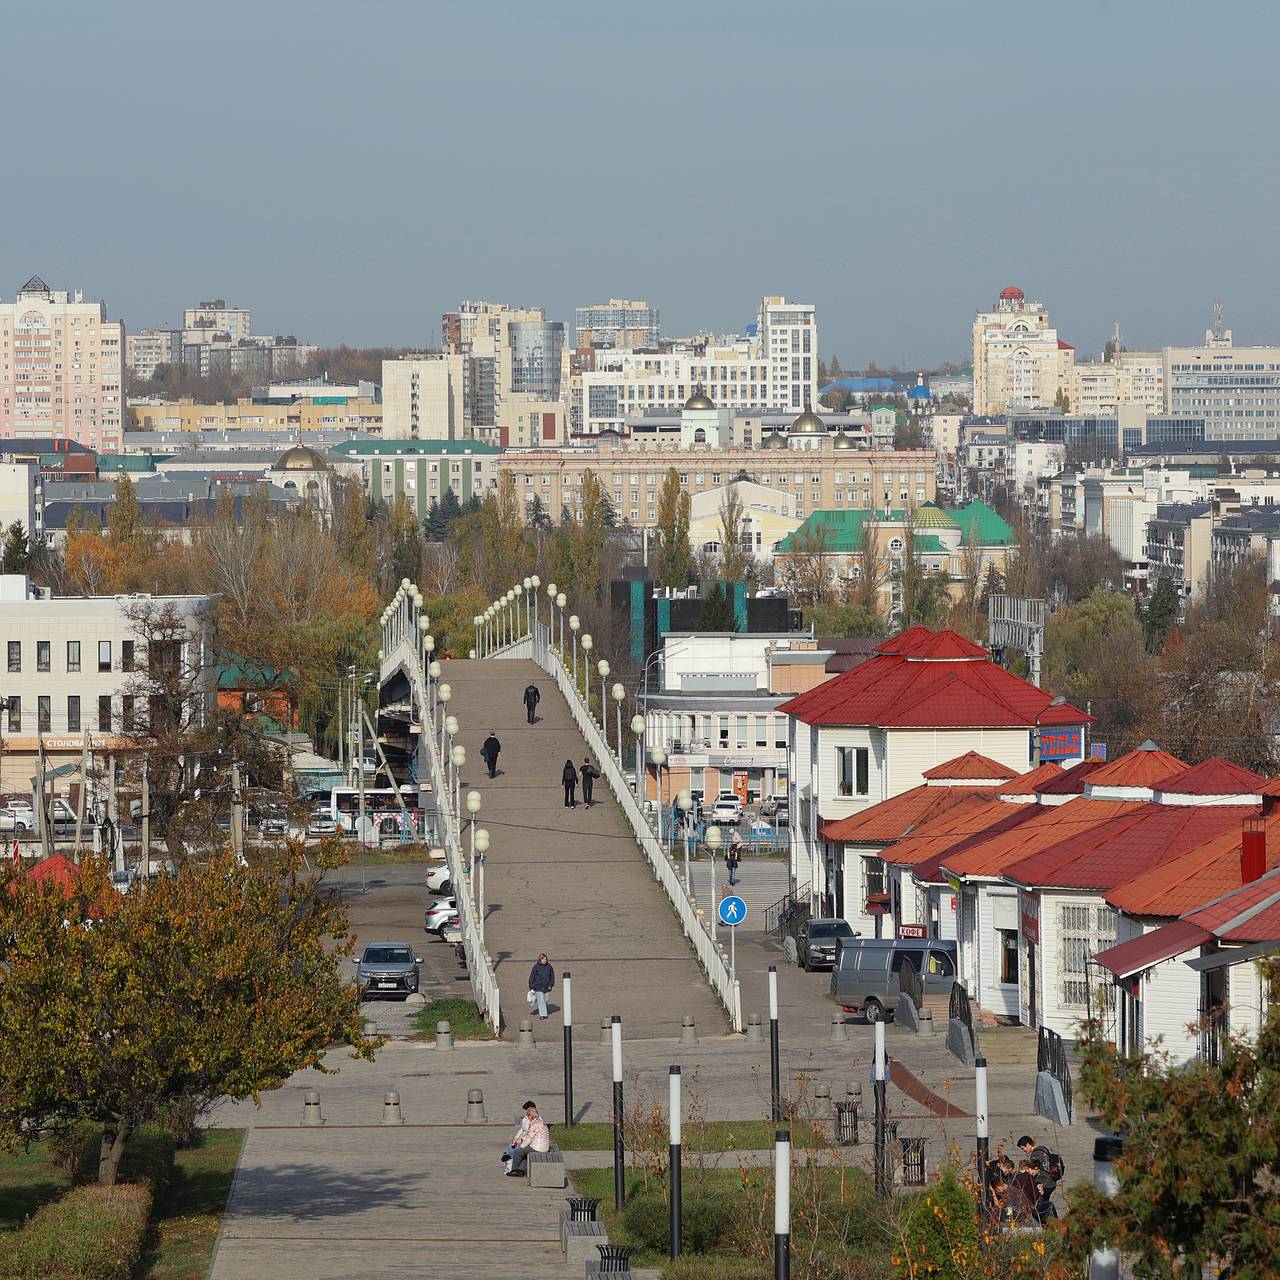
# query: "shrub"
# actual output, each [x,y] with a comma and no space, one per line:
[648,1221]
[939,1233]
[92,1233]
[69,1147]
[686,1268]
[178,1119]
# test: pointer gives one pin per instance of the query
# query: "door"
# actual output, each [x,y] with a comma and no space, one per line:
[939,973]
[1033,1004]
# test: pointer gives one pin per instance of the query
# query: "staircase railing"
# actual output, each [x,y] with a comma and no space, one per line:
[1051,1056]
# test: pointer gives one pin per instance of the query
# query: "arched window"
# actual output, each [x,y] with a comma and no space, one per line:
[700,436]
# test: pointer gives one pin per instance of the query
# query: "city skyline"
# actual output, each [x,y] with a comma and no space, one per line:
[355,185]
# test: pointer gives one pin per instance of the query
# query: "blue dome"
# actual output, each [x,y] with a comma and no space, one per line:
[919,392]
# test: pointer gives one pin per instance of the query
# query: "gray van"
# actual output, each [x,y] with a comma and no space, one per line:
[865,977]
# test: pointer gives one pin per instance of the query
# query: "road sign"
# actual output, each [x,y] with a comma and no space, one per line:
[733,911]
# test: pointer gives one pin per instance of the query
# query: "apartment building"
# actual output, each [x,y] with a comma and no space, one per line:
[60,367]
[70,669]
[422,397]
[214,320]
[21,495]
[1096,388]
[1179,543]
[306,413]
[1019,362]
[1236,390]
[620,322]
[420,471]
[147,350]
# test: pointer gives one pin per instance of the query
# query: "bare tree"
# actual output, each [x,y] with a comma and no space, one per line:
[441,571]
[805,570]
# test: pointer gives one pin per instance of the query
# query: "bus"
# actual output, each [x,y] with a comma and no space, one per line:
[379,803]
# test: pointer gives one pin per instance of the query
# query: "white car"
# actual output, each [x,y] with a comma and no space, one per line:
[14,822]
[441,914]
[727,808]
[438,878]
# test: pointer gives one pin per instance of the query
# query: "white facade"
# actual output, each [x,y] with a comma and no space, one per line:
[422,398]
[1032,459]
[788,337]
[147,350]
[1236,390]
[215,319]
[21,498]
[1098,388]
[1018,362]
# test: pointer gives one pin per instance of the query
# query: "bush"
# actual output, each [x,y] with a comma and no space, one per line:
[940,1232]
[70,1147]
[648,1222]
[178,1119]
[92,1233]
[685,1268]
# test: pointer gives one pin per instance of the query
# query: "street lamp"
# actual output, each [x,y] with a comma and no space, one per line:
[603,668]
[535,582]
[473,808]
[637,727]
[526,584]
[714,841]
[574,623]
[659,758]
[587,642]
[458,756]
[619,697]
[475,622]
[561,601]
[482,847]
[684,802]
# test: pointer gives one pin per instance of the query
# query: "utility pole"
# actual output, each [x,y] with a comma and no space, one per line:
[43,816]
[146,826]
[113,816]
[342,733]
[237,815]
[360,785]
[84,786]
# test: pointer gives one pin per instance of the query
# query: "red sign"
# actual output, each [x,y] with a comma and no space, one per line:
[912,931]
[1029,912]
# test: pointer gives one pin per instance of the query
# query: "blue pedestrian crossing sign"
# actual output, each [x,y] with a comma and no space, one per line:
[733,911]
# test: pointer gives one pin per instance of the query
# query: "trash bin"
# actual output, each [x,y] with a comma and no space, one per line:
[847,1124]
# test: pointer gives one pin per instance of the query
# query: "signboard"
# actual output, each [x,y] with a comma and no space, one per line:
[954,882]
[740,786]
[1061,744]
[733,911]
[1029,916]
[912,931]
[1097,751]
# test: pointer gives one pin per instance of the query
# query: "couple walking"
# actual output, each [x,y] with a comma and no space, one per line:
[570,774]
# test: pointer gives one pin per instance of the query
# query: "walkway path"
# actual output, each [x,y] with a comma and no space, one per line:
[570,882]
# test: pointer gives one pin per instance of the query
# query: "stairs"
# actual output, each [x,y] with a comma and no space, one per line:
[1008,1046]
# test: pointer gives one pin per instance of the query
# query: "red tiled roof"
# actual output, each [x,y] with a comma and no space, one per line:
[1141,953]
[970,765]
[1222,917]
[1065,346]
[1046,826]
[957,826]
[1213,777]
[1196,877]
[1271,787]
[1141,768]
[56,870]
[892,819]
[1025,784]
[1147,836]
[1070,782]
[930,680]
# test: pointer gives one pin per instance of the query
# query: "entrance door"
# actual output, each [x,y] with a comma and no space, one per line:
[1033,1018]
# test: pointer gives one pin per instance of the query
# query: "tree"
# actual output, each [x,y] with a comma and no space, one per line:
[939,1234]
[717,611]
[674,553]
[16,556]
[868,576]
[736,560]
[587,537]
[1062,401]
[539,517]
[1160,615]
[805,569]
[220,982]
[846,620]
[401,555]
[1201,1157]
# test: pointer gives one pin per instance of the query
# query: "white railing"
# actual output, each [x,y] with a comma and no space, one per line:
[402,649]
[711,956]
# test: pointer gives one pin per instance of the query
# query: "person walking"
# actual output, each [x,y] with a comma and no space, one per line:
[533,1136]
[569,776]
[531,699]
[542,977]
[489,753]
[589,773]
[732,862]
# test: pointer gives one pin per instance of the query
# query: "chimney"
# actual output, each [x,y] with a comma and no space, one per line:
[1253,850]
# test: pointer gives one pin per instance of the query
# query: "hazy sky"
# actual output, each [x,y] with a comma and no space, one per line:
[351,169]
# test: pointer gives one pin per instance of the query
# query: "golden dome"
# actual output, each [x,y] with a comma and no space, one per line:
[301,457]
[808,424]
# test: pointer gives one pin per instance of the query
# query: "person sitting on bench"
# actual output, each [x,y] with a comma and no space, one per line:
[533,1136]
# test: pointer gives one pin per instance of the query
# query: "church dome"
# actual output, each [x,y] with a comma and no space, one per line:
[699,400]
[774,440]
[301,457]
[919,392]
[842,440]
[808,424]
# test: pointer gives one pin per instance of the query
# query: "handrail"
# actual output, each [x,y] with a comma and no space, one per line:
[1051,1056]
[910,983]
[711,957]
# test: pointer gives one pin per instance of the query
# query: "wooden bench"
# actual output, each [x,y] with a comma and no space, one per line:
[546,1168]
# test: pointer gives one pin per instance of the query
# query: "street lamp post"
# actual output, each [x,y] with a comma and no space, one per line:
[714,841]
[475,622]
[603,668]
[684,802]
[674,1118]
[637,727]
[443,693]
[574,623]
[526,585]
[473,808]
[619,697]
[659,758]
[459,757]
[587,642]
[433,671]
[482,848]
[561,601]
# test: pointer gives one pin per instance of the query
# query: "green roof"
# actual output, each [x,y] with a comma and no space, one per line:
[126,462]
[993,529]
[844,527]
[411,448]
[237,673]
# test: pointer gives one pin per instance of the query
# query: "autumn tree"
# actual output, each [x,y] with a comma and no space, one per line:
[674,558]
[805,569]
[868,576]
[217,983]
[736,559]
[587,536]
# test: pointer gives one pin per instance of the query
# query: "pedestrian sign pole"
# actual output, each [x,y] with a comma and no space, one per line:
[733,911]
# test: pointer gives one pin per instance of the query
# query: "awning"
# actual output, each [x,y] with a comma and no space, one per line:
[1140,954]
[1232,955]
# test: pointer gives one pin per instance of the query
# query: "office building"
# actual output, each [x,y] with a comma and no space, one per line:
[1108,436]
[1236,390]
[265,358]
[60,367]
[214,321]
[422,397]
[419,471]
[620,322]
[1019,362]
[146,351]
[305,413]
[1096,388]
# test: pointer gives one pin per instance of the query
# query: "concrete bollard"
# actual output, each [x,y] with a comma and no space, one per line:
[838,1029]
[444,1035]
[688,1031]
[853,1092]
[606,1032]
[391,1108]
[524,1039]
[311,1108]
[822,1098]
[369,1026]
[475,1107]
[755,1030]
[416,998]
[926,1023]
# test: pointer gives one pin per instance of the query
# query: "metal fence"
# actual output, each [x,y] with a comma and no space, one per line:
[910,983]
[1051,1056]
[788,915]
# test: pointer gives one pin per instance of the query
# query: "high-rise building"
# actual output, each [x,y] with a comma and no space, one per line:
[145,351]
[620,322]
[422,397]
[1097,388]
[212,320]
[788,338]
[60,368]
[1019,362]
[1236,390]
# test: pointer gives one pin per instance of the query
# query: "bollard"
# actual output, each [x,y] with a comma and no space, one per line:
[688,1032]
[311,1108]
[391,1108]
[838,1029]
[416,997]
[475,1107]
[524,1040]
[444,1035]
[926,1023]
[822,1097]
[755,1029]
[853,1092]
[606,1031]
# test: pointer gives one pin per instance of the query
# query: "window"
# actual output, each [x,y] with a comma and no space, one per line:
[15,714]
[15,655]
[104,655]
[73,655]
[104,713]
[1083,931]
[126,712]
[780,731]
[44,713]
[42,655]
[852,768]
[1007,940]
[940,965]
[915,956]
[762,731]
[741,726]
[126,655]
[73,714]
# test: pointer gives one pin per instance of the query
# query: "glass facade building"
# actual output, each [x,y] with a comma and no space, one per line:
[536,348]
[1103,437]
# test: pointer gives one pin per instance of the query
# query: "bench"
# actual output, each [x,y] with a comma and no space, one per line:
[580,1240]
[546,1168]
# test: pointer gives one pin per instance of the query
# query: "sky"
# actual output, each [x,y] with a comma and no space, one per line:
[350,170]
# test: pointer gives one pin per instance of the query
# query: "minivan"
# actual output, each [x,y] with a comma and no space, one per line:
[865,977]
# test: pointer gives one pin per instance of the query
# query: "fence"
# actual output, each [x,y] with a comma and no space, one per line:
[910,983]
[788,915]
[712,958]
[1051,1056]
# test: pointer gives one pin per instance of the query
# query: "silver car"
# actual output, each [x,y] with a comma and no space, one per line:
[387,970]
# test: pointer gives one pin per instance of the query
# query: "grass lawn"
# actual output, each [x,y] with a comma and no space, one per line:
[27,1181]
[461,1014]
[713,1135]
[187,1216]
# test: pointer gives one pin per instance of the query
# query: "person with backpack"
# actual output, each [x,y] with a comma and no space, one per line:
[588,773]
[531,699]
[569,776]
[733,861]
[1037,1153]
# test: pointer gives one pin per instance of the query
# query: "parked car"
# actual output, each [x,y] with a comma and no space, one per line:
[273,822]
[440,914]
[818,941]
[439,879]
[865,977]
[387,970]
[727,808]
[321,824]
[24,815]
[13,823]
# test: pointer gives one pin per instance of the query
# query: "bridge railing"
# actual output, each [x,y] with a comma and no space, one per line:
[711,956]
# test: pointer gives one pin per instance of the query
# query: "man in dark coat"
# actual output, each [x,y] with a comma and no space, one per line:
[542,977]
[588,773]
[489,753]
[531,699]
